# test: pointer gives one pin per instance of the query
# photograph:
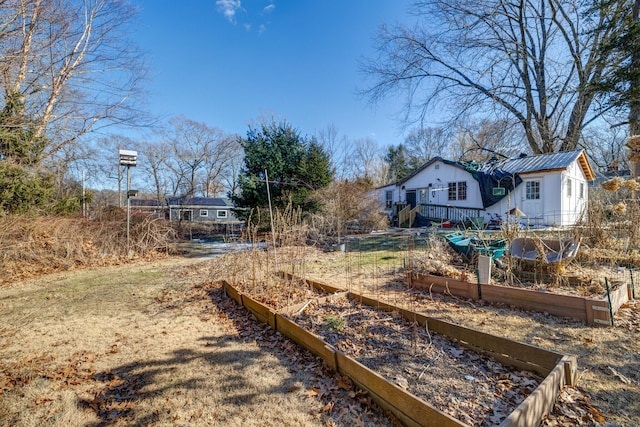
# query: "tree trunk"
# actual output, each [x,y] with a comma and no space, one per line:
[634,108]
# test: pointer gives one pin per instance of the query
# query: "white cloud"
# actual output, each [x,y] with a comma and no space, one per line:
[269,8]
[228,8]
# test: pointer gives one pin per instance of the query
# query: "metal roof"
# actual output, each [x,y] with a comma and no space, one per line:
[546,162]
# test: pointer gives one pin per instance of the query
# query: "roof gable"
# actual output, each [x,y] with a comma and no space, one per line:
[429,163]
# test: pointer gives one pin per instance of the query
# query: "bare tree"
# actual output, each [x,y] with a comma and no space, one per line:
[219,162]
[484,139]
[366,162]
[337,146]
[425,143]
[67,67]
[154,158]
[230,175]
[533,62]
[606,147]
[200,155]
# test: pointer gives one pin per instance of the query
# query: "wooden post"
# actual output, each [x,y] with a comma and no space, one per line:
[606,281]
[484,269]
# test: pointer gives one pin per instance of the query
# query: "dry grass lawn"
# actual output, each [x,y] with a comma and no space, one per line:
[152,344]
[156,343]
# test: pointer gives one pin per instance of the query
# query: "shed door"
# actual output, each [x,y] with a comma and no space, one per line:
[532,203]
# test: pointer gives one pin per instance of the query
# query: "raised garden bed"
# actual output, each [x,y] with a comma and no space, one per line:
[589,310]
[479,362]
[465,384]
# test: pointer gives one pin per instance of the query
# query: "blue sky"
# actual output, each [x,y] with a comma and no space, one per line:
[230,62]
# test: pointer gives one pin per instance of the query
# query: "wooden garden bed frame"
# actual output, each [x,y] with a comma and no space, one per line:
[557,369]
[589,310]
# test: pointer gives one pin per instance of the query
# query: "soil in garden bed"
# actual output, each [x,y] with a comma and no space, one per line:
[472,387]
[280,293]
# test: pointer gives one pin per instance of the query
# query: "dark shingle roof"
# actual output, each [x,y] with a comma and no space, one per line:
[199,201]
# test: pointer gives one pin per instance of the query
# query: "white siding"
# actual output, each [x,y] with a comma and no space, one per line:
[554,207]
[434,181]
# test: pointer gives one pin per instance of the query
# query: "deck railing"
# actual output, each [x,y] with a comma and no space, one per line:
[448,213]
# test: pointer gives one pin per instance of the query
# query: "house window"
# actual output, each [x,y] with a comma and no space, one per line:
[422,198]
[569,187]
[222,214]
[533,190]
[462,190]
[457,190]
[452,191]
[389,199]
[204,213]
[581,191]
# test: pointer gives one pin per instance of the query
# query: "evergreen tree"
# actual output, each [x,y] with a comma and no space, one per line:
[293,165]
[399,163]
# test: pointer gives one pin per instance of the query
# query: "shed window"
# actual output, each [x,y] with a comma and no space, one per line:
[533,190]
[222,214]
[581,191]
[388,199]
[569,183]
[204,212]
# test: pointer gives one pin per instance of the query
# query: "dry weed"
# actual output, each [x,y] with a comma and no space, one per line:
[40,245]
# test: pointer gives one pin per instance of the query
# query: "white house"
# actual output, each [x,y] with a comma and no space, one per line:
[547,189]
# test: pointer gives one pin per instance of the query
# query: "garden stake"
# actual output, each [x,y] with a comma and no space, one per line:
[606,281]
[633,286]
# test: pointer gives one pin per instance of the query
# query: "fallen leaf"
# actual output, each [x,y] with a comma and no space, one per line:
[312,392]
[43,400]
[327,407]
[340,383]
[596,414]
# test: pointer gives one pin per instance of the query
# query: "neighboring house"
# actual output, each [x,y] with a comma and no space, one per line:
[201,209]
[547,189]
[197,209]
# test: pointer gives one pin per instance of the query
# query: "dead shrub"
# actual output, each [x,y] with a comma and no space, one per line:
[346,208]
[436,259]
[39,245]
[613,184]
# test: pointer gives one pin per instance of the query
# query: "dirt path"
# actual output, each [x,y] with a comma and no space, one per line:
[155,344]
